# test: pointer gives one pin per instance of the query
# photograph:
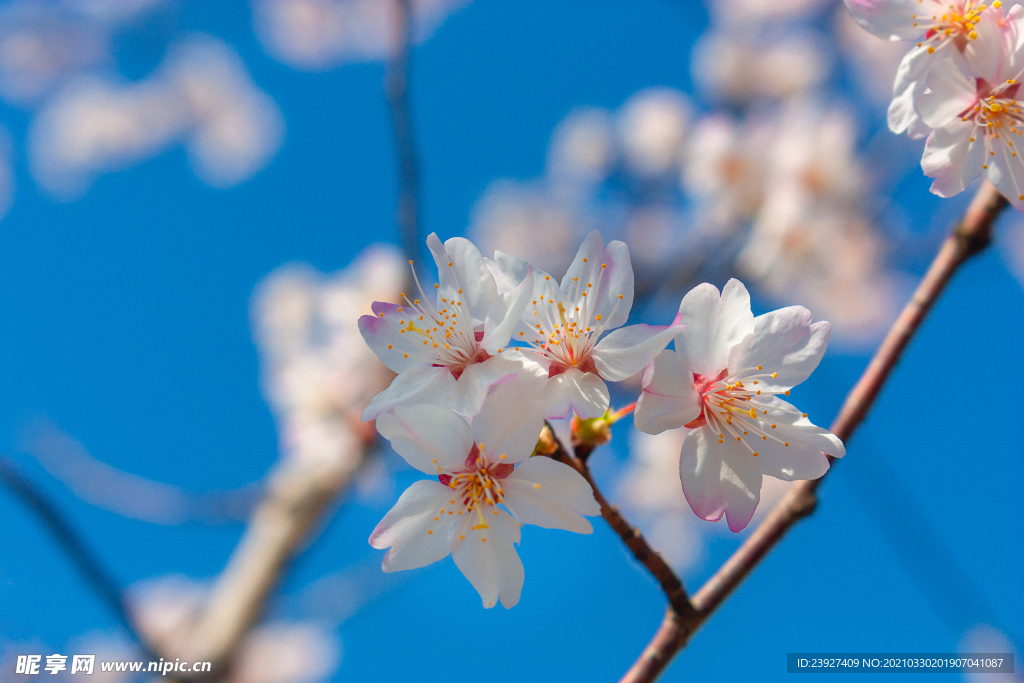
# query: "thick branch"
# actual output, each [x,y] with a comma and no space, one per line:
[295,502]
[74,547]
[396,84]
[631,536]
[971,235]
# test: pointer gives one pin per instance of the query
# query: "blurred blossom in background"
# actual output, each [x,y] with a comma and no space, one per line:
[158,193]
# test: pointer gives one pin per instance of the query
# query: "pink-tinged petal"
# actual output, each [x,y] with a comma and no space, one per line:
[430,438]
[510,421]
[950,93]
[786,343]
[669,399]
[803,458]
[468,394]
[889,19]
[627,350]
[488,558]
[952,158]
[718,327]
[397,350]
[550,495]
[574,391]
[415,529]
[716,482]
[428,385]
[505,315]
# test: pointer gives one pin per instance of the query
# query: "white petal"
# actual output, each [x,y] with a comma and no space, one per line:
[431,439]
[1006,172]
[397,350]
[715,482]
[491,565]
[551,495]
[614,279]
[786,343]
[888,19]
[420,385]
[626,351]
[669,399]
[950,93]
[804,458]
[504,315]
[468,393]
[591,250]
[988,55]
[952,158]
[509,270]
[467,278]
[415,529]
[510,421]
[908,88]
[718,327]
[574,391]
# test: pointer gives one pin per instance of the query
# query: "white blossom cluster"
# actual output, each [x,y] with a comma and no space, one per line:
[500,346]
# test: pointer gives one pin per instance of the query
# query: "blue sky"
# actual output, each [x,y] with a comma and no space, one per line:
[124,321]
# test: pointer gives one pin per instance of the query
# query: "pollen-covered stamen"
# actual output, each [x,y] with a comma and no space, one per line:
[957,23]
[999,121]
[478,486]
[448,337]
[566,330]
[735,406]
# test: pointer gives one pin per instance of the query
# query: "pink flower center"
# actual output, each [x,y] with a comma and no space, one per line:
[479,483]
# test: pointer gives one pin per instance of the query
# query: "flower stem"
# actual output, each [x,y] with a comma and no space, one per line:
[970,236]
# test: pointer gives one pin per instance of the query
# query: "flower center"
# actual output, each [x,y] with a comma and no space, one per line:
[1000,119]
[735,407]
[957,24]
[478,486]
[567,333]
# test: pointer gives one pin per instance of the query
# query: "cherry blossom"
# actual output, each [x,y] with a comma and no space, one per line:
[448,353]
[722,382]
[487,487]
[961,30]
[563,323]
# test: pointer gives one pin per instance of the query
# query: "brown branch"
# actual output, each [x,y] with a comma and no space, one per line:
[298,495]
[396,87]
[970,236]
[631,536]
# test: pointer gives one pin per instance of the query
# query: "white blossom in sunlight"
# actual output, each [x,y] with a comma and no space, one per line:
[318,374]
[201,97]
[564,323]
[317,34]
[527,220]
[279,652]
[652,127]
[649,490]
[740,67]
[479,467]
[723,384]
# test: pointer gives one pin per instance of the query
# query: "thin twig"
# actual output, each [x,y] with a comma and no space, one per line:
[87,563]
[630,535]
[396,86]
[971,235]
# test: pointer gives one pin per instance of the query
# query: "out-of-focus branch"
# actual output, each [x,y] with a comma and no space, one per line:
[74,547]
[396,86]
[970,236]
[297,496]
[631,536]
